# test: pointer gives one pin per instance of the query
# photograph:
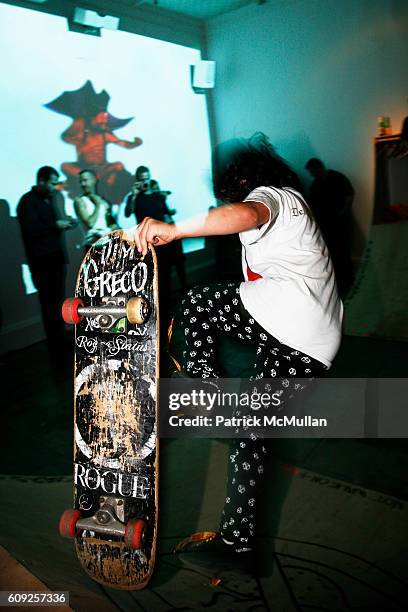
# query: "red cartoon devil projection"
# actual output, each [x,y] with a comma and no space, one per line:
[90,132]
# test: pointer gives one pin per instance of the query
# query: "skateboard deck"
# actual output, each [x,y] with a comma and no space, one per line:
[114,516]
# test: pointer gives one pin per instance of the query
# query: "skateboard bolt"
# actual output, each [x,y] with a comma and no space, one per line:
[102,517]
[104,320]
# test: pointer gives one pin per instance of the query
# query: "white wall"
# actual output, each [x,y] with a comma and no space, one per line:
[314,75]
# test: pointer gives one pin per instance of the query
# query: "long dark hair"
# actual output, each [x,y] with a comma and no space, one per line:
[241,165]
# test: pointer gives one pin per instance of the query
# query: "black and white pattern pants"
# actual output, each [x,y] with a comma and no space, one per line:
[207,312]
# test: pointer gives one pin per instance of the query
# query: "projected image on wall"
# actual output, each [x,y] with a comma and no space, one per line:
[91,131]
[108,103]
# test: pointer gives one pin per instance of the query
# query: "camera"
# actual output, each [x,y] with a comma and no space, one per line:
[145,186]
[141,186]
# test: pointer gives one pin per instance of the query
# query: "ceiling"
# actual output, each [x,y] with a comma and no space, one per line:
[196,9]
[201,9]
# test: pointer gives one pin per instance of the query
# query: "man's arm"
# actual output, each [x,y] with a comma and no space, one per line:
[35,225]
[164,209]
[227,219]
[87,220]
[167,211]
[111,217]
[130,205]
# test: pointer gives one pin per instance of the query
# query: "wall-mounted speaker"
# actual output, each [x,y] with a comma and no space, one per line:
[203,76]
[93,19]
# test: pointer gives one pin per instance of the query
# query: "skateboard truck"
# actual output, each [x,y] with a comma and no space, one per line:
[108,520]
[136,311]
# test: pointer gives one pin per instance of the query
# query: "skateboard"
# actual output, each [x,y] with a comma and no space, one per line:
[113,520]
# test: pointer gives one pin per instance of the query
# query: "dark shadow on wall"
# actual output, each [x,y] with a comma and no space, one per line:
[74,240]
[14,300]
[297,151]
[399,11]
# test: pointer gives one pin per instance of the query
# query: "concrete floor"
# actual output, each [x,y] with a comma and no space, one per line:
[334,511]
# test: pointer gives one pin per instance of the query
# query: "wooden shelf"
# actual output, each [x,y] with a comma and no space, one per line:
[387,138]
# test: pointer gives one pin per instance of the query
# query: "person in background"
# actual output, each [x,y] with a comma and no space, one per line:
[331,198]
[94,213]
[43,221]
[148,200]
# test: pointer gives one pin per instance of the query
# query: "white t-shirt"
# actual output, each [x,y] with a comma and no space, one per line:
[296,299]
[100,227]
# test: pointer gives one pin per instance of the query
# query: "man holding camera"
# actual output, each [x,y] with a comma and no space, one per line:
[146,198]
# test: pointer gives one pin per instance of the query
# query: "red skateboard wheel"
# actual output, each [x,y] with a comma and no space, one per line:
[67,524]
[70,312]
[135,533]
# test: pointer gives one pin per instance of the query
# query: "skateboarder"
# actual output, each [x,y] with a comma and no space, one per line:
[287,305]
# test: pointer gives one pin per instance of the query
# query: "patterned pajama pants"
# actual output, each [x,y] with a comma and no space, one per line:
[208,312]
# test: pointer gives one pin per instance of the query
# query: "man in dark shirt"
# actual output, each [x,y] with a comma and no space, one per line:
[42,220]
[147,200]
[331,197]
